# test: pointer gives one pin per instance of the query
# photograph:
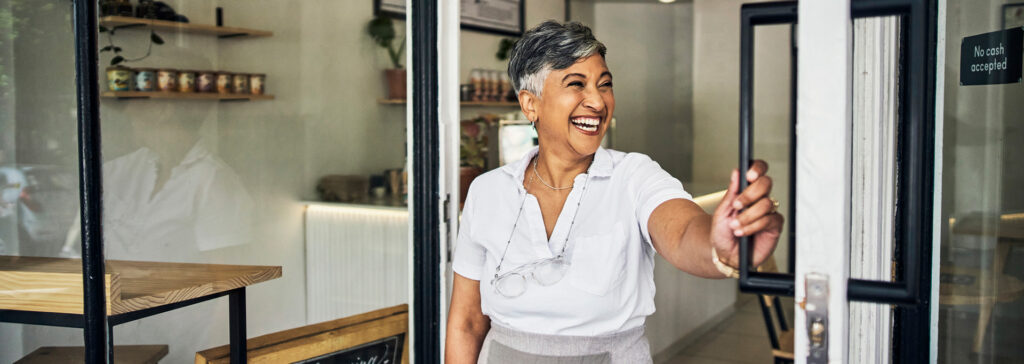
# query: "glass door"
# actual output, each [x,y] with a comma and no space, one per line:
[980,294]
[864,166]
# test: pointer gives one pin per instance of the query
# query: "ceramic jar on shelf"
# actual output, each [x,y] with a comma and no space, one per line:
[257,81]
[206,81]
[119,78]
[145,79]
[240,83]
[167,80]
[223,83]
[186,81]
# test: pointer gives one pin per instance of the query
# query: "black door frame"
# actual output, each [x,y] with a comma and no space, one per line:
[426,155]
[910,292]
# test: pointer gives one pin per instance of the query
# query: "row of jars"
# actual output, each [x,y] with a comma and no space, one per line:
[487,85]
[172,80]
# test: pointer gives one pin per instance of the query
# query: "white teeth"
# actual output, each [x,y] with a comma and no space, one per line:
[586,124]
[588,121]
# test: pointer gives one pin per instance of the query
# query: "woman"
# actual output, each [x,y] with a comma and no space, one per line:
[555,254]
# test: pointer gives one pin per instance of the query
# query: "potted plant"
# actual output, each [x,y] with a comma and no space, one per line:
[382,30]
[473,151]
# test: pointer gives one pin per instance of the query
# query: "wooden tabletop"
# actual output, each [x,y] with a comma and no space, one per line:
[55,284]
[1009,226]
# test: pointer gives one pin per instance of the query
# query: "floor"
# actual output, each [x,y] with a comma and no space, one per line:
[739,339]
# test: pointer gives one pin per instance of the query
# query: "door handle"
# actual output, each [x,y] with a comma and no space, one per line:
[751,15]
[915,160]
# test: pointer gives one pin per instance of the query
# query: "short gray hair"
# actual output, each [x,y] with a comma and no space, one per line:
[549,46]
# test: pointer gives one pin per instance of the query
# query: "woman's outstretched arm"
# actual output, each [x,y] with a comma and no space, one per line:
[467,325]
[684,234]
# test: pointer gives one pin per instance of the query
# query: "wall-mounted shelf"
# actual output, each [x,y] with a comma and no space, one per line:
[462,103]
[183,96]
[222,32]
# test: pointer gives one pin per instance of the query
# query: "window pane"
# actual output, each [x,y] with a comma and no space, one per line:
[38,158]
[981,313]
[258,153]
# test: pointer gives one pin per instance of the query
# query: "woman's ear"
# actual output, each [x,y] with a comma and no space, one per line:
[528,103]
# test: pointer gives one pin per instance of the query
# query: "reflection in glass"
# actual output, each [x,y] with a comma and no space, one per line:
[172,197]
[205,181]
[38,143]
[981,283]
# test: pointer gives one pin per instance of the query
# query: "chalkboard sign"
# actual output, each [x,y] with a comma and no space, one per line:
[992,58]
[384,351]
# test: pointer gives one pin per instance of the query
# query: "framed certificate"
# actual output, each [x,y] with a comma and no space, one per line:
[505,17]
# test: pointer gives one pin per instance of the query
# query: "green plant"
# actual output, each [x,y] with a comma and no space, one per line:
[118,58]
[473,142]
[382,30]
[505,47]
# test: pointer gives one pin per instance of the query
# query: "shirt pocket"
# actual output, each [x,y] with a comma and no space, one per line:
[598,261]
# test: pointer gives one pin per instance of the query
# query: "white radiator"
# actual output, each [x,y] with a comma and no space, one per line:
[356,259]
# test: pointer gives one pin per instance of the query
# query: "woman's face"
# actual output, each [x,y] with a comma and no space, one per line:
[575,107]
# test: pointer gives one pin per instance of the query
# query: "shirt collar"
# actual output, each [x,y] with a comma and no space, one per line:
[601,167]
[195,154]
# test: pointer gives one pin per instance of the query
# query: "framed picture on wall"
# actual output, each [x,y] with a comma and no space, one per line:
[504,17]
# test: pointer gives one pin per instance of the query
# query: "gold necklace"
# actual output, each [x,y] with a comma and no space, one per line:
[545,182]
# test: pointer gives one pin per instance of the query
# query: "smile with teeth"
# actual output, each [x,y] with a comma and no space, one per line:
[586,123]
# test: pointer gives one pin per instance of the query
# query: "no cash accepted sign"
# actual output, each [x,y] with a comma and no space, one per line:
[992,58]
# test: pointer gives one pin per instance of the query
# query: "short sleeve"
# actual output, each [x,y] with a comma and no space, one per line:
[469,254]
[652,186]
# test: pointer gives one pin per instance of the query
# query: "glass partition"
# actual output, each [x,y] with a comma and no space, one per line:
[981,310]
[38,158]
[254,147]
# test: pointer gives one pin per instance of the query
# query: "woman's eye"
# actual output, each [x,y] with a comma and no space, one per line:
[607,84]
[576,84]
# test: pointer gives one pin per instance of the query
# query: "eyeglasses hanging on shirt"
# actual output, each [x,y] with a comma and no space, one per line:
[545,272]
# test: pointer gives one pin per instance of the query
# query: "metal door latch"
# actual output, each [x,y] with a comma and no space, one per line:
[816,309]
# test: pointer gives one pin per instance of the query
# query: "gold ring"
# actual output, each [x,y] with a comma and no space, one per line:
[775,205]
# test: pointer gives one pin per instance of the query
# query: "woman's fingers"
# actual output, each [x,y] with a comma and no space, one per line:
[757,169]
[760,188]
[760,208]
[765,221]
[730,194]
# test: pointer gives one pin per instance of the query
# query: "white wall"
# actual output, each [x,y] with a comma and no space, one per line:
[651,63]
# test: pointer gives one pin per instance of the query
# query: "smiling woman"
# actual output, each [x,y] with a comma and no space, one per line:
[570,231]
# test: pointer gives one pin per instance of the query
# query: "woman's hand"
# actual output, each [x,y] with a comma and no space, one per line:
[750,213]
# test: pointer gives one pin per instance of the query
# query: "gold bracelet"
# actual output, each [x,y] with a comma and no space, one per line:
[726,270]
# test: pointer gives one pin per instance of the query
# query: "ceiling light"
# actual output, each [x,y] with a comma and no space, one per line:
[666,1]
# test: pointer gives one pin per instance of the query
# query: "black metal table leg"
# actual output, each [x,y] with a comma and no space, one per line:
[236,313]
[110,342]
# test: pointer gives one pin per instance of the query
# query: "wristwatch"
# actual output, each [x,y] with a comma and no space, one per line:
[722,267]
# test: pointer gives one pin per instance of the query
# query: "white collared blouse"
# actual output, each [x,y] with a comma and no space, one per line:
[609,286]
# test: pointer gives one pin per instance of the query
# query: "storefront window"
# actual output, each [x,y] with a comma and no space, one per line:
[244,145]
[981,311]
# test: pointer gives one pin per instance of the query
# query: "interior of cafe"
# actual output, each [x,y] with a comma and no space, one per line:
[261,149]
